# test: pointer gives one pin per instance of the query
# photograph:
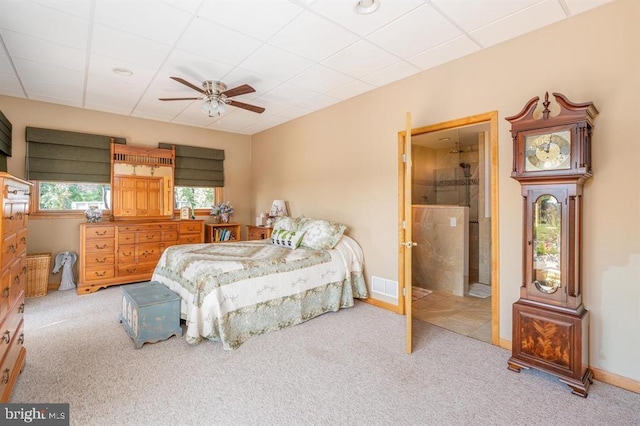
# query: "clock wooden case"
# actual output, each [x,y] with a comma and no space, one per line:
[552,160]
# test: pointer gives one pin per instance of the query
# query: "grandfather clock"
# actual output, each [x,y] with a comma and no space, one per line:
[552,160]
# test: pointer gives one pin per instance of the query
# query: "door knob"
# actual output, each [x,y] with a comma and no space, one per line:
[408,244]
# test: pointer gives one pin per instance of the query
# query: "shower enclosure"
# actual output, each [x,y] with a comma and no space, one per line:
[449,173]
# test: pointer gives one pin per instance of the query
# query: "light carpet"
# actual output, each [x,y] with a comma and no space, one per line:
[344,368]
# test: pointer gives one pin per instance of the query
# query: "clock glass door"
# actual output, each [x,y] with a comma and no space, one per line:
[547,244]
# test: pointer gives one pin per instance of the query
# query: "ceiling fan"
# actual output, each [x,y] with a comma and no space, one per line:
[216,96]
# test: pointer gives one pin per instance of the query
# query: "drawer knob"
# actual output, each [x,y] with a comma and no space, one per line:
[12,249]
[21,308]
[104,259]
[23,240]
[24,270]
[104,246]
[16,279]
[5,376]
[6,337]
[101,274]
[131,271]
[99,234]
[21,339]
[5,292]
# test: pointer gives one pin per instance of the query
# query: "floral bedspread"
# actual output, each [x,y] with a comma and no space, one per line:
[233,291]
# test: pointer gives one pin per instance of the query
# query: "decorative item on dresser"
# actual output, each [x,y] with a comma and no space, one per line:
[126,252]
[221,232]
[551,161]
[15,206]
[258,232]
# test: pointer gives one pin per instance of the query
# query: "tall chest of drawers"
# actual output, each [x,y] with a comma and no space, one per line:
[127,252]
[13,258]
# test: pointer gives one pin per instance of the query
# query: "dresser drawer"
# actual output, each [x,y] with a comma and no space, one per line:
[149,237]
[10,368]
[136,269]
[127,254]
[99,259]
[22,241]
[190,228]
[100,246]
[9,327]
[148,252]
[99,272]
[100,232]
[18,280]
[126,238]
[190,239]
[9,249]
[170,236]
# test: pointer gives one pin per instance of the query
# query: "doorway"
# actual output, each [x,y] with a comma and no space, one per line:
[454,223]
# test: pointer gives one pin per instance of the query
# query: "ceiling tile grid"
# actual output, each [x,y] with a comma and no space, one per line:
[299,55]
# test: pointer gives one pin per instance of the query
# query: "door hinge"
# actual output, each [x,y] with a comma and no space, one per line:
[404,158]
[404,224]
[404,291]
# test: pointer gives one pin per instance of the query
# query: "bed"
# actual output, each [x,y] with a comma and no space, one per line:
[233,291]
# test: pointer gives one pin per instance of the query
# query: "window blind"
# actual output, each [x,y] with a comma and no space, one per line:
[61,156]
[196,166]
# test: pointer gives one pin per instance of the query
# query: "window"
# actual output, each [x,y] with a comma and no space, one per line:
[71,196]
[198,198]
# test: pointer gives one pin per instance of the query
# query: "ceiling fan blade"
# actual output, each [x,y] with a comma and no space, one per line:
[186,83]
[237,91]
[242,105]
[177,99]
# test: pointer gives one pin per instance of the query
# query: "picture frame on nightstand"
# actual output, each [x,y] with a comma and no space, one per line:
[185,212]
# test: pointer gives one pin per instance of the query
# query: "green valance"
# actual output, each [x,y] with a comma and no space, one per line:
[196,166]
[61,156]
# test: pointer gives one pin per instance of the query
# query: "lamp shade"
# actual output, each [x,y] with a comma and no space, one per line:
[278,208]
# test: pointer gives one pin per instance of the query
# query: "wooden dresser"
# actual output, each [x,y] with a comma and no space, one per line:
[123,252]
[15,206]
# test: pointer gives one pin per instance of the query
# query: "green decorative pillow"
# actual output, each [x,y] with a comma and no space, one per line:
[287,223]
[320,234]
[288,239]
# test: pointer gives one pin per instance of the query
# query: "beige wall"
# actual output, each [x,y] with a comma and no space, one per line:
[56,235]
[341,163]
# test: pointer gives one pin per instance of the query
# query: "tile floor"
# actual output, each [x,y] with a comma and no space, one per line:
[468,315]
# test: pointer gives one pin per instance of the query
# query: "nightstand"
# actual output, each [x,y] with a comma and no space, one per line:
[258,232]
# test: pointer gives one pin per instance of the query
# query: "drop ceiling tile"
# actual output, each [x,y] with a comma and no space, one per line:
[236,118]
[272,106]
[393,72]
[313,37]
[420,29]
[103,66]
[289,93]
[446,52]
[350,90]
[187,5]
[321,79]
[579,6]
[217,42]
[81,9]
[256,18]
[60,101]
[9,86]
[275,63]
[193,68]
[320,102]
[151,19]
[471,14]
[361,58]
[193,116]
[119,90]
[30,48]
[40,90]
[519,23]
[343,13]
[45,23]
[5,65]
[106,103]
[261,83]
[128,47]
[34,74]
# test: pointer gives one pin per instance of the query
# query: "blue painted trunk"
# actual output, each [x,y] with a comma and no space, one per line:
[150,312]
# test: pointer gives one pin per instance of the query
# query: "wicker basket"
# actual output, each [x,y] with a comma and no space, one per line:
[38,274]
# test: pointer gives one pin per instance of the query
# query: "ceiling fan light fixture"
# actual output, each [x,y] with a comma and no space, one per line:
[365,7]
[210,107]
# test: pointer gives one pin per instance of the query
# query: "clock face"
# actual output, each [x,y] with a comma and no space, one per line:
[550,151]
